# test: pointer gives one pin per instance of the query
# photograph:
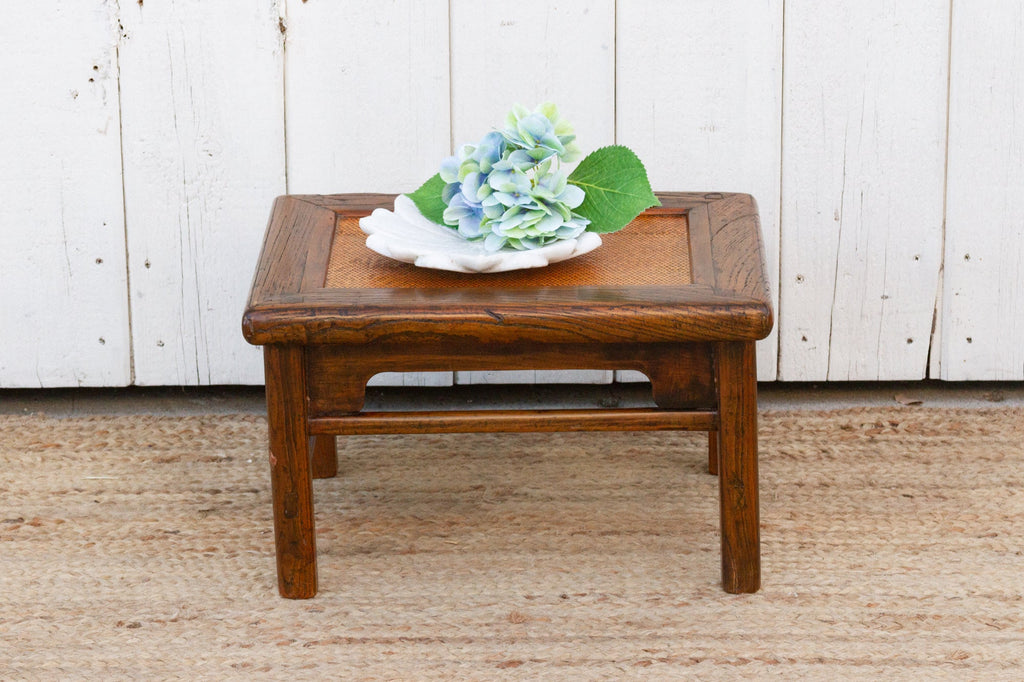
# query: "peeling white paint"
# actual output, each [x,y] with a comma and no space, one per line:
[843,146]
[203,128]
[60,183]
[863,154]
[982,318]
[699,115]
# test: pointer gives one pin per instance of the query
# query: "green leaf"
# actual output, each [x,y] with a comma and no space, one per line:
[428,199]
[616,186]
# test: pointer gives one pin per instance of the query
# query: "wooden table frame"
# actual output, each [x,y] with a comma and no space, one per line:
[695,343]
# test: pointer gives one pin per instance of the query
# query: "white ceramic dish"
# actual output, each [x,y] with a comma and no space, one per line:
[405,235]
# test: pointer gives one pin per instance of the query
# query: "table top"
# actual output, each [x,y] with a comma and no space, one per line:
[653,250]
[690,270]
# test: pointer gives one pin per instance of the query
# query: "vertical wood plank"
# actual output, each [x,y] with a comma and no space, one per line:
[736,442]
[367,96]
[291,471]
[982,314]
[699,100]
[324,457]
[863,163]
[713,453]
[64,304]
[563,53]
[203,158]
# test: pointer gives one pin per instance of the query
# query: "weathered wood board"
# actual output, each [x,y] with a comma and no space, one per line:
[63,289]
[982,313]
[862,187]
[698,97]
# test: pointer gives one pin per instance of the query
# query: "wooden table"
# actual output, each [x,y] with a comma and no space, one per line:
[680,295]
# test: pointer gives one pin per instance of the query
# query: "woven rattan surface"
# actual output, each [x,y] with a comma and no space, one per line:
[653,250]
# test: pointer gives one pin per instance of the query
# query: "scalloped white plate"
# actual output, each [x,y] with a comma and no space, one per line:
[405,235]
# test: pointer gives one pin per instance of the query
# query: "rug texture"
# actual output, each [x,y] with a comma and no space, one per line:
[141,548]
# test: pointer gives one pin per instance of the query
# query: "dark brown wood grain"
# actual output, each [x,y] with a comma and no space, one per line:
[289,304]
[713,453]
[695,341]
[737,250]
[739,514]
[290,475]
[703,268]
[349,204]
[680,373]
[516,421]
[297,240]
[500,318]
[324,456]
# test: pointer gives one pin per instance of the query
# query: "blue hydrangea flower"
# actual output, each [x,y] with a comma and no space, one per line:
[508,189]
[535,217]
[541,133]
[465,175]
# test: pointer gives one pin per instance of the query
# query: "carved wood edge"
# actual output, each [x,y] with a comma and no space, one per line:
[287,290]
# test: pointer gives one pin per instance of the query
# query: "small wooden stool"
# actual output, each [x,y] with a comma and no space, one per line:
[680,295]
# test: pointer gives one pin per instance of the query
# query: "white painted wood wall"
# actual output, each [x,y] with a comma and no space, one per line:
[141,144]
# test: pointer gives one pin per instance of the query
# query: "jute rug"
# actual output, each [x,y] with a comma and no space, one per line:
[141,547]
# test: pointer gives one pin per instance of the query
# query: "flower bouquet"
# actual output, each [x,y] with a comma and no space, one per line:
[506,202]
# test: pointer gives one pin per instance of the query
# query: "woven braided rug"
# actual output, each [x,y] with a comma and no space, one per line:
[141,547]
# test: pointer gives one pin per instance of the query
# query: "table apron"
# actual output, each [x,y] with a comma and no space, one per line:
[681,374]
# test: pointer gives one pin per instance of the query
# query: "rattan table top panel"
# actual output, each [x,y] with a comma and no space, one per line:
[653,250]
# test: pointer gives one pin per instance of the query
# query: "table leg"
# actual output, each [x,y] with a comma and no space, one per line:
[737,459]
[713,453]
[325,457]
[290,471]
